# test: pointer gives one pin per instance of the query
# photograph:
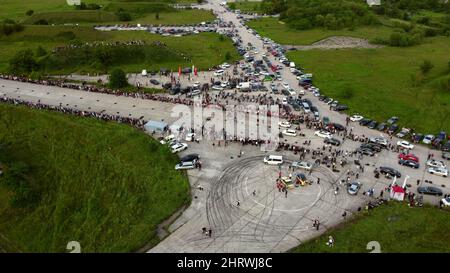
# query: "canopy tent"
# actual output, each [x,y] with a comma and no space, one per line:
[156,126]
[397,193]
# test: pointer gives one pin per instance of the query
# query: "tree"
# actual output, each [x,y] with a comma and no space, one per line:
[157,16]
[228,56]
[29,12]
[199,1]
[23,62]
[118,79]
[40,51]
[426,66]
[232,6]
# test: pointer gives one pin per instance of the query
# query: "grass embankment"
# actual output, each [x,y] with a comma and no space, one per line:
[395,226]
[385,82]
[80,179]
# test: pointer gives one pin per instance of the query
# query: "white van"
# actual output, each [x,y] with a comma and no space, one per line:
[292,65]
[273,159]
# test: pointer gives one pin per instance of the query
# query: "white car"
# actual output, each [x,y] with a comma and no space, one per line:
[356,118]
[225,65]
[289,132]
[379,140]
[435,163]
[286,85]
[284,101]
[446,201]
[405,144]
[323,134]
[217,87]
[301,92]
[167,139]
[438,171]
[224,84]
[285,124]
[218,72]
[178,147]
[185,165]
[196,85]
[302,165]
[190,137]
[428,139]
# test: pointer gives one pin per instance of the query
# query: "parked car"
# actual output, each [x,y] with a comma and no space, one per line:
[332,141]
[446,201]
[178,147]
[428,139]
[155,82]
[353,187]
[325,121]
[392,120]
[373,124]
[379,140]
[365,121]
[405,144]
[404,132]
[446,155]
[365,151]
[390,171]
[408,157]
[409,163]
[323,134]
[435,163]
[446,146]
[429,190]
[393,128]
[356,117]
[289,132]
[186,165]
[190,157]
[438,171]
[285,124]
[373,146]
[382,126]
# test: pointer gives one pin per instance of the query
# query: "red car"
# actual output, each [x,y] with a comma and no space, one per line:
[408,157]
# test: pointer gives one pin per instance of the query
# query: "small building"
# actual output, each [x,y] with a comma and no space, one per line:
[397,193]
[154,126]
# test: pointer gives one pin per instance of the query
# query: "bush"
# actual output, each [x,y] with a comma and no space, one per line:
[118,79]
[41,22]
[66,35]
[40,51]
[9,27]
[426,66]
[29,12]
[123,16]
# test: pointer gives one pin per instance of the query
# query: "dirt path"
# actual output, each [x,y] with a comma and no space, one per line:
[336,42]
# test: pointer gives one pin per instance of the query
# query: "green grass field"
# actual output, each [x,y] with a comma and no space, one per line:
[98,183]
[381,79]
[204,49]
[395,226]
[281,33]
[245,6]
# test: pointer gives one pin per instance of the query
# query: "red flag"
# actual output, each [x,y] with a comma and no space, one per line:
[195,71]
[179,71]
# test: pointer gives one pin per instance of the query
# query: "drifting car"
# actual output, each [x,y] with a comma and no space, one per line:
[438,171]
[302,165]
[353,188]
[323,134]
[405,144]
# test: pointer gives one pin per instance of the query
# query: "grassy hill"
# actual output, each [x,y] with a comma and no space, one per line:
[388,78]
[395,226]
[78,179]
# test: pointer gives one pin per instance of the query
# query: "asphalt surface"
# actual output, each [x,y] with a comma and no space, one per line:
[266,221]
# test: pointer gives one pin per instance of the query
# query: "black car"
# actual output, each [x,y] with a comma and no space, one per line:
[409,163]
[365,151]
[341,107]
[373,146]
[446,146]
[393,128]
[155,82]
[332,141]
[337,126]
[429,190]
[365,121]
[372,125]
[189,157]
[417,138]
[390,171]
[167,85]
